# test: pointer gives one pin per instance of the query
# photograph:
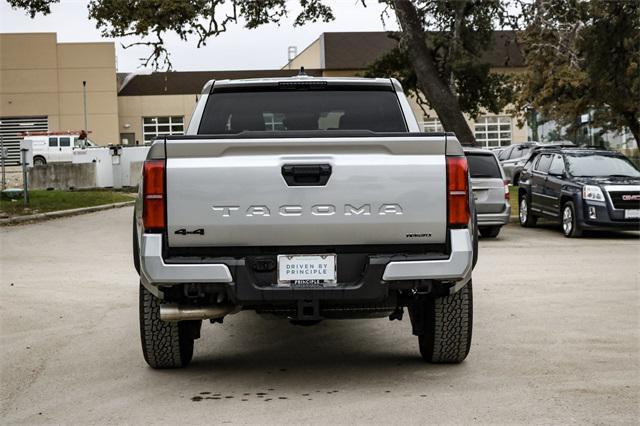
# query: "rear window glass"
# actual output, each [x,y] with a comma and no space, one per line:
[483,166]
[283,110]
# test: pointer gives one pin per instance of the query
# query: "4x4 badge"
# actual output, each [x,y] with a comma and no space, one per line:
[183,231]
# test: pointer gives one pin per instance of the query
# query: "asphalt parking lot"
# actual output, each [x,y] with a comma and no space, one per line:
[556,340]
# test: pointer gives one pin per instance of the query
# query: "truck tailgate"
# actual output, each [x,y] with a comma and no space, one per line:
[233,192]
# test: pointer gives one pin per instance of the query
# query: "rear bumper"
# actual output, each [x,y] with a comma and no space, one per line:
[495,219]
[382,273]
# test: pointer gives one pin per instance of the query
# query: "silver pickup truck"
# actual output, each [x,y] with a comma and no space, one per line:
[305,199]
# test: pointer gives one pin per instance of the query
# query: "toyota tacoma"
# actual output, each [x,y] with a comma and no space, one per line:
[306,199]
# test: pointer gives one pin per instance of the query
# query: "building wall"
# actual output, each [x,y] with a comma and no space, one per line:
[41,77]
[133,109]
[310,58]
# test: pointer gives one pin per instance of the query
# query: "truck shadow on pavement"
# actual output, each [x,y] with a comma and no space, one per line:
[273,357]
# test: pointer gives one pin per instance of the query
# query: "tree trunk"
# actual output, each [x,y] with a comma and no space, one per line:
[634,126]
[434,88]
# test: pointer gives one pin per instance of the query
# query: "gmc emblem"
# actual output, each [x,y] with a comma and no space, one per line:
[631,197]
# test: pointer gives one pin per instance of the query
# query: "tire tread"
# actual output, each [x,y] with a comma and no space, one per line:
[164,344]
[449,327]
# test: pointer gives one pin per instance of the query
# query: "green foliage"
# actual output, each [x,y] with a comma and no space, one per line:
[33,7]
[584,56]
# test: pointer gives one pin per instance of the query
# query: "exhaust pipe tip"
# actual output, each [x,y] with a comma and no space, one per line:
[171,312]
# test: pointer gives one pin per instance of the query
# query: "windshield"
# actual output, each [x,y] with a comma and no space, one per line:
[483,166]
[283,110]
[600,165]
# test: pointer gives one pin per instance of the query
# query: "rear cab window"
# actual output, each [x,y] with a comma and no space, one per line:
[483,166]
[322,108]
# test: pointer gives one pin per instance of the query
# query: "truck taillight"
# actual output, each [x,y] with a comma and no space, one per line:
[153,209]
[457,191]
[506,190]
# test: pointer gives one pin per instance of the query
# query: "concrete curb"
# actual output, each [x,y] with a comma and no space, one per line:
[63,213]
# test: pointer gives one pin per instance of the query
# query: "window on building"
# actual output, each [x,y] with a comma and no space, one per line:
[493,131]
[273,121]
[161,126]
[432,125]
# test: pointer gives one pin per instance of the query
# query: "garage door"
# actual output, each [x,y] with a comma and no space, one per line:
[10,129]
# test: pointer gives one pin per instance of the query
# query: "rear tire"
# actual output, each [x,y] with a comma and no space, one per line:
[527,219]
[39,161]
[164,344]
[490,231]
[446,325]
[516,180]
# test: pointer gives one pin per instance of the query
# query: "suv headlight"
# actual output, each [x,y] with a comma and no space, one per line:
[590,192]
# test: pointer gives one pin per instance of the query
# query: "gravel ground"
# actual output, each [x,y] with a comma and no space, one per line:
[556,340]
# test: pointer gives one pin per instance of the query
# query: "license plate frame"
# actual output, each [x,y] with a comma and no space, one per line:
[632,214]
[326,265]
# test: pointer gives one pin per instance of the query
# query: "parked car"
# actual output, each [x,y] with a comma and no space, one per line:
[490,191]
[583,189]
[346,212]
[512,159]
[55,148]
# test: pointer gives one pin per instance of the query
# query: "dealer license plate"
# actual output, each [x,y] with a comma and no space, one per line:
[307,270]
[632,214]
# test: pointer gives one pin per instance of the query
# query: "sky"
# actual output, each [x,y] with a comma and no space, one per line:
[239,49]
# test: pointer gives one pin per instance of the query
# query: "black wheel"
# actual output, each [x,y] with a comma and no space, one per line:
[515,180]
[39,161]
[164,344]
[444,325]
[527,219]
[489,231]
[570,226]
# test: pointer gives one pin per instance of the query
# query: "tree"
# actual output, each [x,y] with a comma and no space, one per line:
[439,58]
[584,57]
[441,66]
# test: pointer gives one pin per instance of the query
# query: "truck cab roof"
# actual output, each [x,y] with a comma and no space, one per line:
[301,82]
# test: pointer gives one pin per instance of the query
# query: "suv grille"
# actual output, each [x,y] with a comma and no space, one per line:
[625,199]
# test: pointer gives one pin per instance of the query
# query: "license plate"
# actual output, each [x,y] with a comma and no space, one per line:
[307,270]
[632,214]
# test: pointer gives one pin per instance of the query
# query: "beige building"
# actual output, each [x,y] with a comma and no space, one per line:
[41,87]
